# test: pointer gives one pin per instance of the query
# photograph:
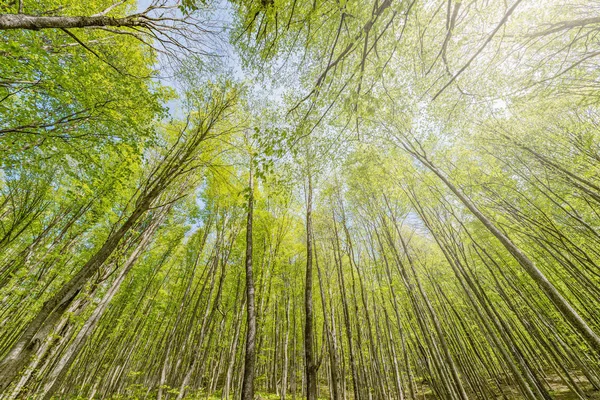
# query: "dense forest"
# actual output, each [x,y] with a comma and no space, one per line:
[288,199]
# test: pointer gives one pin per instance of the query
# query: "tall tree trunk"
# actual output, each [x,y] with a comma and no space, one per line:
[310,365]
[250,356]
[286,341]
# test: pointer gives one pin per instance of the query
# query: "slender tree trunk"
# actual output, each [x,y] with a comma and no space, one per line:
[250,356]
[286,341]
[310,365]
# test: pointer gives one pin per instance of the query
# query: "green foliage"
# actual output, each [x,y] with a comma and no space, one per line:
[440,153]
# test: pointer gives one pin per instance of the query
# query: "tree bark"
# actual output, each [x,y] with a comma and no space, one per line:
[250,356]
[33,22]
[310,367]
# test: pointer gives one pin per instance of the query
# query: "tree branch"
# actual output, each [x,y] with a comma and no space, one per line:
[32,22]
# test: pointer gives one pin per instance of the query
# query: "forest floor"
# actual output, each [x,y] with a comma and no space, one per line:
[558,391]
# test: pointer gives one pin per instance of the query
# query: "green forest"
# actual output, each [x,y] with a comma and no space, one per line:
[300,199]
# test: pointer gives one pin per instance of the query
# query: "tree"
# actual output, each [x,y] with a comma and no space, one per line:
[250,354]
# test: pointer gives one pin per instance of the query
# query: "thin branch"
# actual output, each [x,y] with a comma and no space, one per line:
[483,46]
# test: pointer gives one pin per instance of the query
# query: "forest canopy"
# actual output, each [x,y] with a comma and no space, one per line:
[324,199]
